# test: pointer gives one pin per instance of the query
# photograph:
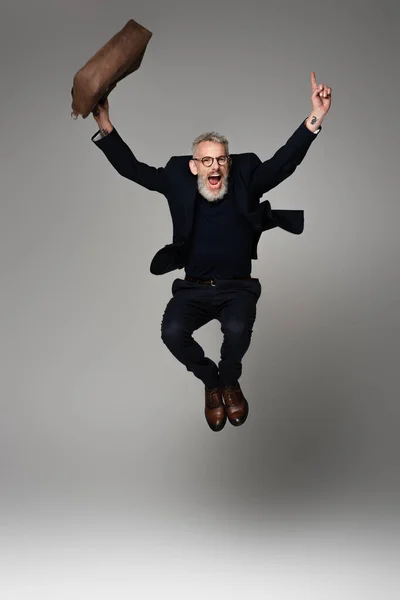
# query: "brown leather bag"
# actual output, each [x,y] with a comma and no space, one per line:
[119,57]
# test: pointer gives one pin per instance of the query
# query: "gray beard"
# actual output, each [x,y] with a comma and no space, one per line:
[208,194]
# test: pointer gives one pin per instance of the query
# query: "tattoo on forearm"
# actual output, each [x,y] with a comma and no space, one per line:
[104,132]
[314,120]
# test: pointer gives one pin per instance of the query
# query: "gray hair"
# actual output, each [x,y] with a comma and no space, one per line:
[210,136]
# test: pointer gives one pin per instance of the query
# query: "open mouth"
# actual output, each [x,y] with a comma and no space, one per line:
[214,180]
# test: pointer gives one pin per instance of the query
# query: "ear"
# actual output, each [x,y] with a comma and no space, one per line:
[193,167]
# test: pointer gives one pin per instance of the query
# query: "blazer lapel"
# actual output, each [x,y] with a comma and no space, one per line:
[239,195]
[190,200]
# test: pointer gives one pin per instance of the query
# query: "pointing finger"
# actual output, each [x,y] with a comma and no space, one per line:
[313,80]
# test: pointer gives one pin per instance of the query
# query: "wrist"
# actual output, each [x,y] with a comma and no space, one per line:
[105,128]
[314,121]
[105,125]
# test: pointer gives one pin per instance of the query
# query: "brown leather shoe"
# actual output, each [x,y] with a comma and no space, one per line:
[214,409]
[237,407]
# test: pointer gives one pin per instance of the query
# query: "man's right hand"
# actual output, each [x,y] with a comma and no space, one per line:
[101,114]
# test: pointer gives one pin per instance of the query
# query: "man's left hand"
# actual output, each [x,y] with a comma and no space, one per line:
[321,103]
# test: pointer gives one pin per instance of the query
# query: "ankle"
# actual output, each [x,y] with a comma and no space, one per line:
[213,388]
[231,386]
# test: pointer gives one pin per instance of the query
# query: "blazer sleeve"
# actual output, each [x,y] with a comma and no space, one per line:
[126,164]
[267,175]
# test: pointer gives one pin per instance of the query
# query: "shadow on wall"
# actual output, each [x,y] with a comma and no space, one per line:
[305,435]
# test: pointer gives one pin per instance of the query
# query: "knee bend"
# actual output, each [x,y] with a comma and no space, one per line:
[172,333]
[236,329]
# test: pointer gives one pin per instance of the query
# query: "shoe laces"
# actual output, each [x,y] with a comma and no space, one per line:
[213,398]
[231,395]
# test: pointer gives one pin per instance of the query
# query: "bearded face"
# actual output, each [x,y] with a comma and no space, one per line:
[212,181]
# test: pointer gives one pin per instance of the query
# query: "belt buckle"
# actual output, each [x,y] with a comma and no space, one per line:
[213,282]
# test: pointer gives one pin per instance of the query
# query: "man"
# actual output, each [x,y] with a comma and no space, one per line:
[214,200]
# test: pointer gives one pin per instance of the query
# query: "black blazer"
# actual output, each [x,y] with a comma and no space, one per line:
[249,177]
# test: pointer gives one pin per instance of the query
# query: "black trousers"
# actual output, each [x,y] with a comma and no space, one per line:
[233,303]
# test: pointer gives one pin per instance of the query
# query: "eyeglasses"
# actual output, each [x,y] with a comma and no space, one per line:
[209,160]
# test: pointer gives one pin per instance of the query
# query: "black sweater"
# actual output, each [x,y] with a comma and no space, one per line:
[221,242]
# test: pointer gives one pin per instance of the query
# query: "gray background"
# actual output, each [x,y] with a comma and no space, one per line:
[112,484]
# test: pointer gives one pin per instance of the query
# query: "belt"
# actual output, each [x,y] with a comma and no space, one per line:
[213,281]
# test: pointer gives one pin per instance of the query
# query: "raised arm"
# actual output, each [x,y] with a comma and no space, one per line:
[284,162]
[121,156]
